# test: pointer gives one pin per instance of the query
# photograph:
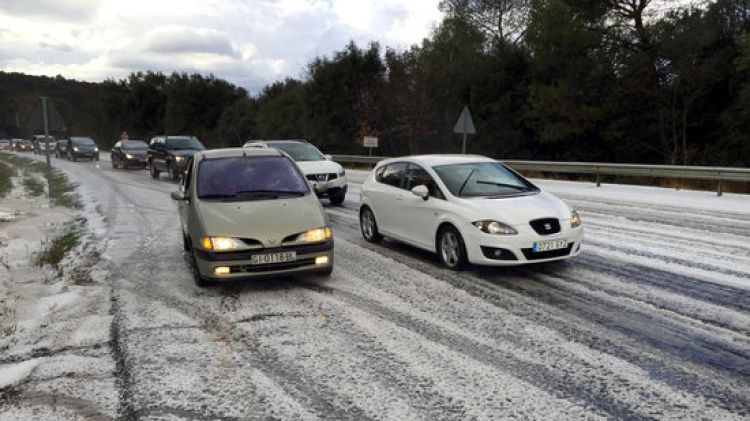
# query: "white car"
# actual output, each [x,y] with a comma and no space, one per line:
[327,177]
[467,209]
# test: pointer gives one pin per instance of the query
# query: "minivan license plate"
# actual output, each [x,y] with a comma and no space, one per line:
[550,245]
[270,258]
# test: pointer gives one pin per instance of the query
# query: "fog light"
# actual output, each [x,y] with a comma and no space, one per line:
[221,270]
[321,260]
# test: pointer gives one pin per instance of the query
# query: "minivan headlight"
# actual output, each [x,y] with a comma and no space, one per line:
[575,219]
[315,235]
[495,227]
[219,243]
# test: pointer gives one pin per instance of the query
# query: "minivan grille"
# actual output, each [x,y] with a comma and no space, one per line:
[545,226]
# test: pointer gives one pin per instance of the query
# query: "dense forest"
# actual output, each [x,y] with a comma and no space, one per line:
[595,80]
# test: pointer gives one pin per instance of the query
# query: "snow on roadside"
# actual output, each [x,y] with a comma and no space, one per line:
[12,374]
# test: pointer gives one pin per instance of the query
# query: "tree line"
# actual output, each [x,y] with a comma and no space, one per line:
[584,80]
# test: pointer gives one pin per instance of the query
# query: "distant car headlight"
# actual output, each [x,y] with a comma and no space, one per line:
[495,227]
[129,156]
[315,235]
[178,159]
[575,219]
[220,243]
[96,149]
[75,149]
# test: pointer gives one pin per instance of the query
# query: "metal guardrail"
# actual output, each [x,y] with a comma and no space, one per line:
[718,174]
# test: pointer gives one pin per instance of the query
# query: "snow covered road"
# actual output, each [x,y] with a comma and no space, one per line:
[651,321]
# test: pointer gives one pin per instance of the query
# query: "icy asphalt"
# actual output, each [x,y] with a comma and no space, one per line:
[652,321]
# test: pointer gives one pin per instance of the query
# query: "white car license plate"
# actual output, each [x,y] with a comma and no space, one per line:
[270,258]
[540,246]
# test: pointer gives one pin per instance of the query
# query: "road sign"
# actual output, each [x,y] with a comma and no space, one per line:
[465,126]
[370,142]
[55,121]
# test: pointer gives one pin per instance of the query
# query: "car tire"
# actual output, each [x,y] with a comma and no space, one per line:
[199,280]
[185,242]
[337,198]
[369,226]
[451,249]
[173,173]
[154,172]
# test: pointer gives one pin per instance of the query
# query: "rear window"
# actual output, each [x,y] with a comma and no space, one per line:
[83,141]
[249,178]
[183,143]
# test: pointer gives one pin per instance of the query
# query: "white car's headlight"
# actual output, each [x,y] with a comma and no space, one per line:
[178,159]
[220,243]
[75,148]
[495,227]
[315,235]
[129,156]
[575,219]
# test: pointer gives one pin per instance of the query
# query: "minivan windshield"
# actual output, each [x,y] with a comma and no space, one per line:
[183,143]
[249,178]
[134,144]
[299,151]
[482,179]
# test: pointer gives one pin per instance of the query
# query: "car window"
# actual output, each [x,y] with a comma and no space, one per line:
[83,141]
[133,144]
[249,178]
[300,151]
[416,175]
[393,174]
[476,179]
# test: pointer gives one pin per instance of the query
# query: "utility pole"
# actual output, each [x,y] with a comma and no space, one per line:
[46,130]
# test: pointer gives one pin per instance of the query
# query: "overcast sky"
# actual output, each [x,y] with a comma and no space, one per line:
[250,43]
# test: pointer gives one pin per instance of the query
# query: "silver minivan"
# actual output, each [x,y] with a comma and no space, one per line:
[250,213]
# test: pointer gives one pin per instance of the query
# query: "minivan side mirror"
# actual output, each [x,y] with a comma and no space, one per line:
[178,195]
[329,157]
[421,191]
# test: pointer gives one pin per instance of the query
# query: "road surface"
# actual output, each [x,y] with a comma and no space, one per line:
[651,321]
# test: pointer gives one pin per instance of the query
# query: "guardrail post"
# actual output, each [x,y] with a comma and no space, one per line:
[598,177]
[721,187]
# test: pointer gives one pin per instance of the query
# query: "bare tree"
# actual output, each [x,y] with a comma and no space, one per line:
[499,19]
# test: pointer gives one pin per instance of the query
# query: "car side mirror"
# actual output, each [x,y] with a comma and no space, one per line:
[421,191]
[179,196]
[329,157]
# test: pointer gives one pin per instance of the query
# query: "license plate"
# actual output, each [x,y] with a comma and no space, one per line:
[270,258]
[550,245]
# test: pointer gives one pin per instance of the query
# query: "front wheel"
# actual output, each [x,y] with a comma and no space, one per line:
[174,172]
[337,198]
[369,226]
[451,249]
[154,172]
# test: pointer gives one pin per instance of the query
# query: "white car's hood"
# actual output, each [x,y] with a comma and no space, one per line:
[318,167]
[517,210]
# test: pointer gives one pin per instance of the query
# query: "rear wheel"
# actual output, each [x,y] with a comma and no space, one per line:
[451,249]
[154,172]
[369,226]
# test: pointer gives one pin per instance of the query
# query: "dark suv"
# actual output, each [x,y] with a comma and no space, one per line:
[170,154]
[82,147]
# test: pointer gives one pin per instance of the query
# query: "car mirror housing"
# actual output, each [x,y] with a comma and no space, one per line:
[329,157]
[421,191]
[178,195]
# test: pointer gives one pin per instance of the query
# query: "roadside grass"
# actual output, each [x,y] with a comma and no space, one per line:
[61,191]
[55,251]
[6,173]
[33,186]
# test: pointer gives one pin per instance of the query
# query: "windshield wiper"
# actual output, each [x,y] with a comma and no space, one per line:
[502,185]
[466,181]
[218,196]
[270,193]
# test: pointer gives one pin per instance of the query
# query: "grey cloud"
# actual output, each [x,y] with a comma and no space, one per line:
[65,48]
[186,40]
[61,10]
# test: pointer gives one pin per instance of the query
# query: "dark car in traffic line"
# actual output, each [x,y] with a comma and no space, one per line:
[82,148]
[22,145]
[129,154]
[61,148]
[170,154]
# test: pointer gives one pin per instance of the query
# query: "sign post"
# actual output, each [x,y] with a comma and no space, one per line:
[465,126]
[370,142]
[46,130]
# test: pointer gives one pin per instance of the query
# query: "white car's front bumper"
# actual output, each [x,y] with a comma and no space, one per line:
[509,250]
[324,188]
